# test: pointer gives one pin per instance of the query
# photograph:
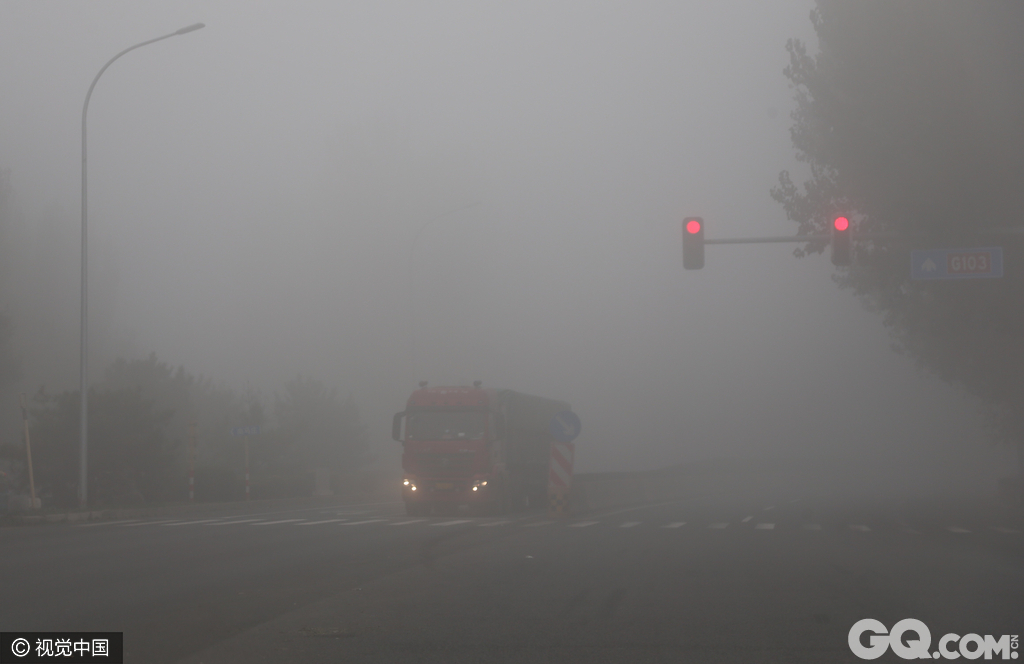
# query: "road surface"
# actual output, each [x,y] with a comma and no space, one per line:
[763,575]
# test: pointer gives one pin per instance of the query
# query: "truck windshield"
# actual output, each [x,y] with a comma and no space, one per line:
[447,425]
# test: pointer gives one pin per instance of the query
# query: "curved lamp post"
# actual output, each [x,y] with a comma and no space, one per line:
[84,377]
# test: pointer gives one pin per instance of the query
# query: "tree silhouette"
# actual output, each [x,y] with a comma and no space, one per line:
[909,118]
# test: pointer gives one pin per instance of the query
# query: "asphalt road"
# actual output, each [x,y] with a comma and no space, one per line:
[754,575]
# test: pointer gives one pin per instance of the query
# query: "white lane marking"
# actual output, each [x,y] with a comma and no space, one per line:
[859,527]
[189,523]
[493,523]
[359,523]
[675,524]
[770,507]
[1006,531]
[537,523]
[149,523]
[765,526]
[348,513]
[451,523]
[228,523]
[582,524]
[406,523]
[106,523]
[641,507]
[629,524]
[321,510]
[270,523]
[812,526]
[313,523]
[747,519]
[718,526]
[955,529]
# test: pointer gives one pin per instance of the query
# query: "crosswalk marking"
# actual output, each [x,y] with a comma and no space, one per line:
[106,523]
[189,523]
[536,521]
[228,523]
[770,507]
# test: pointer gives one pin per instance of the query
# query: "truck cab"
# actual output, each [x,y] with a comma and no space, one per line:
[475,447]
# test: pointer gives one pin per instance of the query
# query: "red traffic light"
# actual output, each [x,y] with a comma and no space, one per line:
[841,241]
[693,243]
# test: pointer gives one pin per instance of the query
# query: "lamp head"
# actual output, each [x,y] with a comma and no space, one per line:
[191,28]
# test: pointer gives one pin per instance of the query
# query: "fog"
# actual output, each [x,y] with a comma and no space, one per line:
[256,189]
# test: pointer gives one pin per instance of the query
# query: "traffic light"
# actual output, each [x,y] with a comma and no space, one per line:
[693,243]
[841,241]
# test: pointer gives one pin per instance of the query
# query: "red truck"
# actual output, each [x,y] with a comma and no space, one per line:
[488,449]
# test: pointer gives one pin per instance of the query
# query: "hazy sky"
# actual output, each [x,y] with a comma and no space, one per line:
[256,187]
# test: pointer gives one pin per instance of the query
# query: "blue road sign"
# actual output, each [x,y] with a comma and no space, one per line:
[969,263]
[565,426]
[253,430]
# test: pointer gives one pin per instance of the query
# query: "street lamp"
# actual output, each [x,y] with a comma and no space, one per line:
[84,376]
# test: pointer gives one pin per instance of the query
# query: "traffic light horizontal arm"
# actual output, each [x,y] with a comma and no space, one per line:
[810,238]
[856,236]
[825,237]
[778,238]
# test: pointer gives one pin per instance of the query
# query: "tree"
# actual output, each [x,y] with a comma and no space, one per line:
[219,457]
[909,120]
[316,429]
[130,457]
